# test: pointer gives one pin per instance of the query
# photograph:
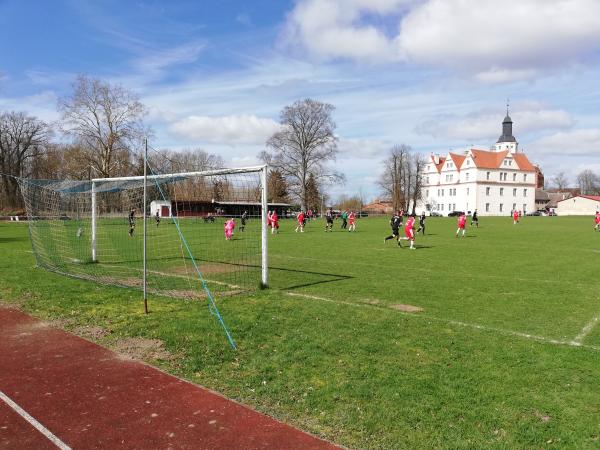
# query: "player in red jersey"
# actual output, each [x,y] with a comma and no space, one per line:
[515,217]
[462,223]
[597,221]
[274,222]
[352,221]
[409,232]
[300,222]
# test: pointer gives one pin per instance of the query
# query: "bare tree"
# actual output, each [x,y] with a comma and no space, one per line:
[560,181]
[22,139]
[401,180]
[304,146]
[106,120]
[589,182]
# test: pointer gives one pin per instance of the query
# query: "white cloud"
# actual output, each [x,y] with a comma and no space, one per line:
[499,40]
[236,129]
[485,125]
[494,41]
[41,105]
[579,142]
[332,29]
[362,148]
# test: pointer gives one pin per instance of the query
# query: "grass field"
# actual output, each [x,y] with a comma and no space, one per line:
[505,353]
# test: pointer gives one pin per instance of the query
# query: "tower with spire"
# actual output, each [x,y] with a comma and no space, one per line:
[507,141]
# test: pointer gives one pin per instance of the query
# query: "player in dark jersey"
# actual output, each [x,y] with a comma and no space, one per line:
[422,223]
[395,224]
[131,222]
[157,217]
[329,220]
[244,218]
[475,219]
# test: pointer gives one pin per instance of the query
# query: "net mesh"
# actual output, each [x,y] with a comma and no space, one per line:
[187,237]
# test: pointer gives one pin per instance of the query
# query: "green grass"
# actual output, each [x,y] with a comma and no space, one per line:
[487,363]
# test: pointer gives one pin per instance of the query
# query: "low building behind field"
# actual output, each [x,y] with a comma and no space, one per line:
[580,205]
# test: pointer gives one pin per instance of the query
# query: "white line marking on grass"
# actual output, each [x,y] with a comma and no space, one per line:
[38,426]
[532,337]
[587,329]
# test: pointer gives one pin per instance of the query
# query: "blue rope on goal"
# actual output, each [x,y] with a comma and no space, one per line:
[212,307]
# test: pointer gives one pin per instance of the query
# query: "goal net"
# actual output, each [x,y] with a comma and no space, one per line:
[205,232]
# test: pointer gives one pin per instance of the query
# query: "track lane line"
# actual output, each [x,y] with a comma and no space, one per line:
[38,426]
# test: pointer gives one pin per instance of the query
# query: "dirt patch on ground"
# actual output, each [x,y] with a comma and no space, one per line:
[142,349]
[407,308]
[60,322]
[91,332]
[371,301]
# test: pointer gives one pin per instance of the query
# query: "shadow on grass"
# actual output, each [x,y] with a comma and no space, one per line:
[13,239]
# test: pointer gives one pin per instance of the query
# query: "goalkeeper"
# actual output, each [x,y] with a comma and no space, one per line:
[131,222]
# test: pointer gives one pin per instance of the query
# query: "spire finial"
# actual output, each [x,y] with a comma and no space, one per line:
[507,105]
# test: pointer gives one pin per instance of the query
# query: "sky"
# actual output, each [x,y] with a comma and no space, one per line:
[432,74]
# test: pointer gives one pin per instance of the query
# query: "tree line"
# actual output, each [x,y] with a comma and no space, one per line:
[101,130]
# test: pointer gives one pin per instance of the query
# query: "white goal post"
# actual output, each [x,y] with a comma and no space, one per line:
[262,170]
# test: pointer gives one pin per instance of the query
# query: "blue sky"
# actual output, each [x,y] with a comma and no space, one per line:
[433,74]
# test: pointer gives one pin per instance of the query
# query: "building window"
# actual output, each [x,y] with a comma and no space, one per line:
[501,191]
[514,177]
[442,192]
[524,192]
[455,192]
[426,193]
[468,162]
[467,191]
[514,192]
[467,177]
[487,176]
[524,177]
[487,207]
[501,206]
[449,206]
[487,190]
[524,208]
[514,206]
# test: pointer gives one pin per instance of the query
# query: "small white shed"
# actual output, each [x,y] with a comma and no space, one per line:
[162,207]
[581,205]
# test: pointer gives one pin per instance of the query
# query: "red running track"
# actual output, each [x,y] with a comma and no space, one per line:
[89,397]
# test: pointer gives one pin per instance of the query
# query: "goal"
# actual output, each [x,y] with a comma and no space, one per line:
[188,235]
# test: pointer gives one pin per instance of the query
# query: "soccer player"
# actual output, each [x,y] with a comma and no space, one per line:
[79,232]
[409,232]
[515,217]
[597,221]
[244,218]
[329,220]
[352,221]
[462,222]
[131,222]
[344,220]
[229,227]
[475,219]
[157,218]
[274,222]
[300,222]
[395,223]
[422,223]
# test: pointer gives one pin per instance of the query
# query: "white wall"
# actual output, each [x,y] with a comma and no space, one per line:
[577,206]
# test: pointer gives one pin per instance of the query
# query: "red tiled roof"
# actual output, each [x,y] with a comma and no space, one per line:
[484,159]
[596,198]
[458,159]
[523,162]
[440,164]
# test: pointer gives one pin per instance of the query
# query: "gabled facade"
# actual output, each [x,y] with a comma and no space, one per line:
[493,182]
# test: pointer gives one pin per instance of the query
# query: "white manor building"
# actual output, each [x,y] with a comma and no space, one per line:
[494,182]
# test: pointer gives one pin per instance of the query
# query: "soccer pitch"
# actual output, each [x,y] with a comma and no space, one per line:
[504,352]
